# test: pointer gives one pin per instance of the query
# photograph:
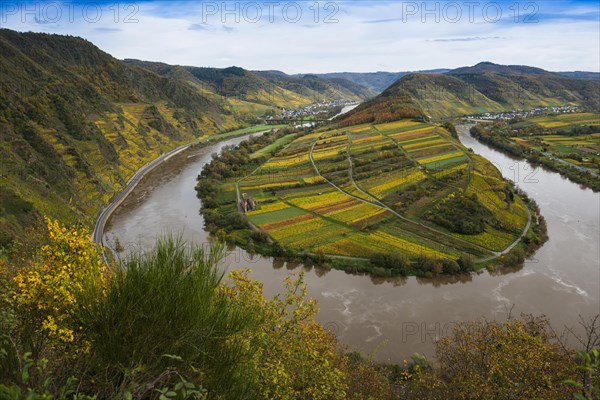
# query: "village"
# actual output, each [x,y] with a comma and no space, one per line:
[310,111]
[525,114]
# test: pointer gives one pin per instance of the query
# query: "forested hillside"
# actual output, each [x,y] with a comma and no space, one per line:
[76,123]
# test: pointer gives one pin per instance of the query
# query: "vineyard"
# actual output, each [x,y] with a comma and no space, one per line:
[364,190]
[574,138]
[565,143]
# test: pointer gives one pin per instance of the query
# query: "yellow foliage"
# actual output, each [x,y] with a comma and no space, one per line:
[514,359]
[296,358]
[49,294]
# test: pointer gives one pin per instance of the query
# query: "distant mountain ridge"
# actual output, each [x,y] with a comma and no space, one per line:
[379,81]
[485,87]
[268,88]
[592,76]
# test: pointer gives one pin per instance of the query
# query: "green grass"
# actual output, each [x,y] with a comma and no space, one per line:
[275,216]
[278,143]
[250,129]
[444,163]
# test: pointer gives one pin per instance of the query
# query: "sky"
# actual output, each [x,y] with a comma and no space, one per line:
[327,36]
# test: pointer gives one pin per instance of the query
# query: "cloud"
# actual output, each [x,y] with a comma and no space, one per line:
[41,21]
[367,36]
[107,30]
[468,39]
[199,27]
[382,21]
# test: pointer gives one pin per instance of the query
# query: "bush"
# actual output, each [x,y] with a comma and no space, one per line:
[508,360]
[461,214]
[395,262]
[50,295]
[163,320]
[466,263]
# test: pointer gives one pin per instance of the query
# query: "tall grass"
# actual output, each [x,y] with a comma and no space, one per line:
[163,318]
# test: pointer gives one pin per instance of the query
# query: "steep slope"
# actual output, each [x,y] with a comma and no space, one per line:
[76,123]
[319,88]
[485,87]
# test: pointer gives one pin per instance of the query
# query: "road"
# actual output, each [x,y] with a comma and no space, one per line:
[98,233]
[579,167]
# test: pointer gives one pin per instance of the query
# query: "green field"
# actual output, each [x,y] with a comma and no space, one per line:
[574,138]
[250,129]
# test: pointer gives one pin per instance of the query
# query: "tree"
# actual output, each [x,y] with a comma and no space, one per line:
[296,358]
[395,262]
[466,263]
[515,359]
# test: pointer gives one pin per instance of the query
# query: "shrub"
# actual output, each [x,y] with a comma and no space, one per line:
[51,294]
[163,319]
[395,262]
[461,214]
[296,357]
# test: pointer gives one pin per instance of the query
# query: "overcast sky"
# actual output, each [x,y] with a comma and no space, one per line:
[322,36]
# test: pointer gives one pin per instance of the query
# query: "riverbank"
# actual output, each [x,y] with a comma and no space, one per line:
[105,215]
[498,139]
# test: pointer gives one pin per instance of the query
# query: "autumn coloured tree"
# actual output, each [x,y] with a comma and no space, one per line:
[515,359]
[296,357]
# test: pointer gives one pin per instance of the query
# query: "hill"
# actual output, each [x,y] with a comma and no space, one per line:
[320,88]
[256,93]
[76,123]
[485,87]
[377,81]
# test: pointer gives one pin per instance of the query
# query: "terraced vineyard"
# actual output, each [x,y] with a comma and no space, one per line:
[367,189]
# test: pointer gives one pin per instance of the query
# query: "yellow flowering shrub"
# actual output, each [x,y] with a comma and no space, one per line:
[50,294]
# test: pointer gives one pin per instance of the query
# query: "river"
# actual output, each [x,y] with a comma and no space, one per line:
[392,319]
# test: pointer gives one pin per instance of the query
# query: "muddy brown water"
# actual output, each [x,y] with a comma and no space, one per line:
[394,318]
